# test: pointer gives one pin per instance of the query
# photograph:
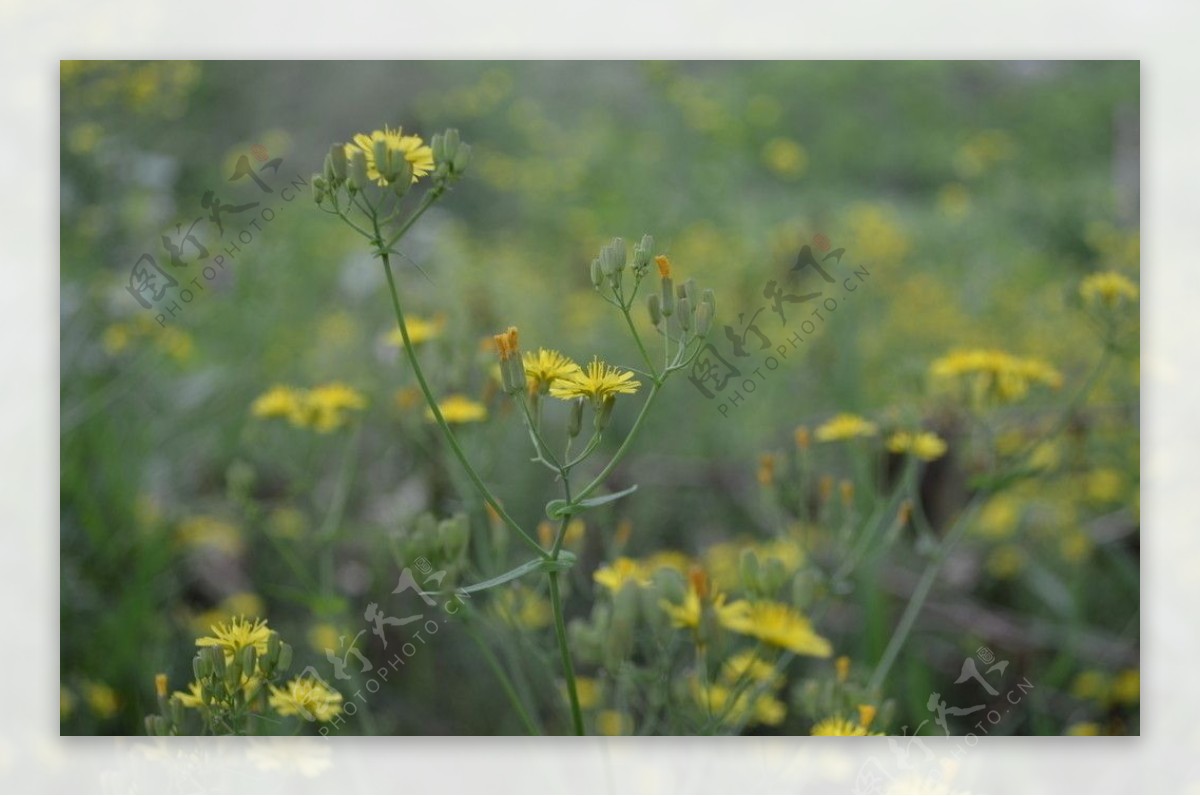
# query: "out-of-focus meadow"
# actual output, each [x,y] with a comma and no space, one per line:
[972,201]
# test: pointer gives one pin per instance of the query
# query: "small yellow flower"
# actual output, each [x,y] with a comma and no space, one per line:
[544,368]
[1084,728]
[307,698]
[721,702]
[846,426]
[1127,687]
[1108,288]
[209,532]
[325,406]
[324,636]
[160,684]
[415,151]
[613,722]
[101,699]
[777,624]
[748,665]
[523,608]
[587,689]
[838,726]
[994,373]
[624,570]
[419,330]
[598,382]
[785,157]
[691,611]
[237,634]
[924,445]
[191,698]
[842,667]
[278,402]
[1005,561]
[459,409]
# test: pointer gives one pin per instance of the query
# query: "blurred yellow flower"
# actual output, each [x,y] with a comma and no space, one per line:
[1108,288]
[839,726]
[996,373]
[777,624]
[1084,728]
[999,517]
[690,612]
[101,699]
[1091,685]
[598,382]
[1005,561]
[324,636]
[523,608]
[280,401]
[307,698]
[414,150]
[205,531]
[420,330]
[1127,687]
[764,708]
[624,570]
[748,665]
[845,426]
[543,368]
[953,200]
[613,722]
[193,697]
[235,635]
[325,406]
[66,702]
[458,408]
[785,157]
[924,445]
[588,691]
[1104,485]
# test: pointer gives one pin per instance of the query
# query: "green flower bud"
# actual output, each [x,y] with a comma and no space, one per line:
[271,659]
[233,674]
[668,296]
[597,274]
[703,319]
[176,708]
[383,159]
[618,252]
[451,143]
[462,158]
[575,419]
[336,164]
[249,659]
[608,263]
[684,316]
[285,657]
[774,575]
[654,304]
[357,170]
[689,291]
[670,585]
[201,666]
[318,193]
[605,412]
[438,147]
[710,299]
[216,662]
[643,253]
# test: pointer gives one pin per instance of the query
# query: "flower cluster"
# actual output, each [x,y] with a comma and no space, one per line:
[996,374]
[324,408]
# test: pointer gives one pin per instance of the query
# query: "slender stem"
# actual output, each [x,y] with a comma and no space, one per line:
[637,338]
[426,202]
[505,682]
[621,451]
[560,629]
[411,353]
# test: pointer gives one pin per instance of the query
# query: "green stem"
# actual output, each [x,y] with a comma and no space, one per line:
[560,630]
[621,451]
[505,682]
[411,354]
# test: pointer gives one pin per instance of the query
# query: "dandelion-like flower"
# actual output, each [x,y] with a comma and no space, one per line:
[326,406]
[280,401]
[624,570]
[543,368]
[306,697]
[412,147]
[846,426]
[237,634]
[924,445]
[996,373]
[459,409]
[598,382]
[777,624]
[1108,288]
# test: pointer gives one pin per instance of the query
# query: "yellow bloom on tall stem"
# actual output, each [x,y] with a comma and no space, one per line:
[598,382]
[237,634]
[544,368]
[415,151]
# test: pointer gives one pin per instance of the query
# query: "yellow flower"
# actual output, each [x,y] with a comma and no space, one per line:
[1104,485]
[279,401]
[1107,287]
[613,722]
[846,426]
[777,624]
[66,702]
[838,726]
[924,445]
[205,531]
[101,699]
[419,330]
[324,636]
[624,570]
[785,157]
[721,703]
[191,698]
[523,608]
[116,338]
[691,611]
[751,667]
[544,368]
[306,697]
[1005,561]
[414,150]
[1092,685]
[1084,728]
[598,382]
[325,406]
[588,691]
[237,634]
[1127,687]
[459,409]
[996,373]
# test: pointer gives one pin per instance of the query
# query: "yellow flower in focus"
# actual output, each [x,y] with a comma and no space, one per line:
[543,368]
[779,625]
[459,409]
[1107,288]
[237,634]
[839,726]
[278,402]
[598,382]
[846,426]
[785,157]
[523,608]
[419,330]
[614,576]
[307,698]
[415,151]
[613,722]
[925,445]
[101,699]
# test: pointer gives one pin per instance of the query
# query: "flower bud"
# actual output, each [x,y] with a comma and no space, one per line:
[605,412]
[176,709]
[641,254]
[285,657]
[438,147]
[201,666]
[685,314]
[703,320]
[335,164]
[451,141]
[607,262]
[689,291]
[318,193]
[160,685]
[403,171]
[383,159]
[668,296]
[654,304]
[462,158]
[216,662]
[618,251]
[575,419]
[356,169]
[597,274]
[249,659]
[803,437]
[710,299]
[233,674]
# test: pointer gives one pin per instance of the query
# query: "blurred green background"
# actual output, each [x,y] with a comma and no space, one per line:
[977,195]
